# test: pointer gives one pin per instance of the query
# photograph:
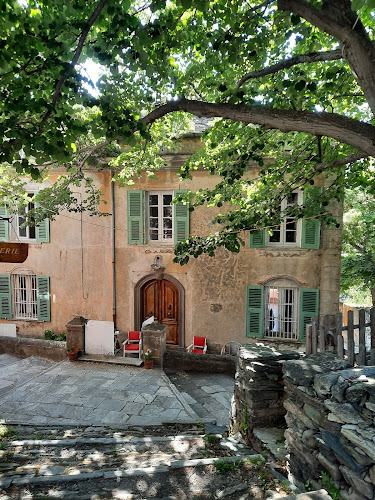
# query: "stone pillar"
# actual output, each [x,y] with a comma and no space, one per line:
[75,333]
[155,338]
[259,389]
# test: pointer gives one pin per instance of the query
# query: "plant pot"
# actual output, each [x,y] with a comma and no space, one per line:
[149,364]
[73,355]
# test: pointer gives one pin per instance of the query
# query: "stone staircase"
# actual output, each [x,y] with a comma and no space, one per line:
[173,462]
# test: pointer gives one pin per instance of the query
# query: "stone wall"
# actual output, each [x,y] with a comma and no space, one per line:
[25,347]
[259,388]
[330,418]
[175,361]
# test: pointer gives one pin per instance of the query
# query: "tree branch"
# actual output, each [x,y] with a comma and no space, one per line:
[342,161]
[345,130]
[331,55]
[76,56]
[338,20]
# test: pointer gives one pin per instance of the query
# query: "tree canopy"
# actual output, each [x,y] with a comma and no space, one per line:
[289,84]
[358,260]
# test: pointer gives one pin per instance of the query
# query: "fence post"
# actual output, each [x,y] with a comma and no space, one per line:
[350,338]
[322,339]
[339,341]
[372,327]
[308,345]
[362,338]
[314,334]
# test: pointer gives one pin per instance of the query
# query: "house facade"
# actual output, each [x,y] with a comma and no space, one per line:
[121,268]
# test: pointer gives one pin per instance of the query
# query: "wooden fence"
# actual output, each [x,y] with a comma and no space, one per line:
[347,342]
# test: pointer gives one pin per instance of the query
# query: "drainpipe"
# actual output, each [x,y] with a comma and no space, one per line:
[113,249]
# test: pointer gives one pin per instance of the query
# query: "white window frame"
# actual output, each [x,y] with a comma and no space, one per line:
[25,296]
[283,228]
[278,323]
[27,237]
[161,238]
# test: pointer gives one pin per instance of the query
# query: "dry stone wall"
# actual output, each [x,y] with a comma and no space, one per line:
[259,388]
[331,424]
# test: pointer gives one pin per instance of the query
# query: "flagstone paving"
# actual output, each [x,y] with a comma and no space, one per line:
[40,392]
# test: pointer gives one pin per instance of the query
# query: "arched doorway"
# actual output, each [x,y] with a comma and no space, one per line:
[164,299]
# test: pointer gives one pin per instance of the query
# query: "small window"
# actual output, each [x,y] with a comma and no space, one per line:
[289,232]
[25,296]
[160,216]
[25,232]
[281,312]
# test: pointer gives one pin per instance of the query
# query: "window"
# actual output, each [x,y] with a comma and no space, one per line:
[160,216]
[291,233]
[280,310]
[24,296]
[25,232]
[10,226]
[288,233]
[153,219]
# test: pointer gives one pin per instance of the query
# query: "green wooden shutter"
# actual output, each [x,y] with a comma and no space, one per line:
[4,224]
[310,238]
[254,311]
[257,239]
[43,298]
[181,219]
[135,218]
[309,307]
[42,231]
[5,297]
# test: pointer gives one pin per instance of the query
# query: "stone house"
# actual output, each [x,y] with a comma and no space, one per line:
[121,268]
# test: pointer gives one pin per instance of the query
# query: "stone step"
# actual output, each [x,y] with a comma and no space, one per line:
[113,360]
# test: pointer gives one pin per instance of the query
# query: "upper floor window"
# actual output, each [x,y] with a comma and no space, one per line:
[152,218]
[25,232]
[12,226]
[303,233]
[289,232]
[160,216]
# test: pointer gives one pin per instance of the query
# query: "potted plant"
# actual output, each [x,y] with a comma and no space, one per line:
[72,353]
[149,362]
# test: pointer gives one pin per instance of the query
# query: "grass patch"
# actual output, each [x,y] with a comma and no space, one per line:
[223,467]
[6,431]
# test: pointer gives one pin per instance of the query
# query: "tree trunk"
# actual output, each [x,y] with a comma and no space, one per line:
[373,296]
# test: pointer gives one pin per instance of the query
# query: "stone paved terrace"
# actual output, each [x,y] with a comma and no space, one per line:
[41,392]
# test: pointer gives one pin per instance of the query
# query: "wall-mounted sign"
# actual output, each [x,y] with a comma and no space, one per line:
[13,252]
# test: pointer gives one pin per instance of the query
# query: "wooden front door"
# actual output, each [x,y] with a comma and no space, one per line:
[161,298]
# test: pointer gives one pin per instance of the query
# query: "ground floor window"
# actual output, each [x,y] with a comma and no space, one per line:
[281,312]
[25,296]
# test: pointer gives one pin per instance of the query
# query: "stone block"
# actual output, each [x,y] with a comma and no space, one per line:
[362,487]
[75,333]
[314,414]
[367,446]
[298,413]
[341,452]
[344,412]
[303,371]
[331,466]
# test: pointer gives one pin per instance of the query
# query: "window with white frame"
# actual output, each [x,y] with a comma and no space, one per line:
[25,232]
[281,307]
[160,216]
[25,296]
[289,232]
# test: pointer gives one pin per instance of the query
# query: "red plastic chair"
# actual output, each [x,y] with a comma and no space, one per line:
[133,344]
[199,345]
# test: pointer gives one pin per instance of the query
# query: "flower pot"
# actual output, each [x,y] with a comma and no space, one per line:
[149,364]
[73,355]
